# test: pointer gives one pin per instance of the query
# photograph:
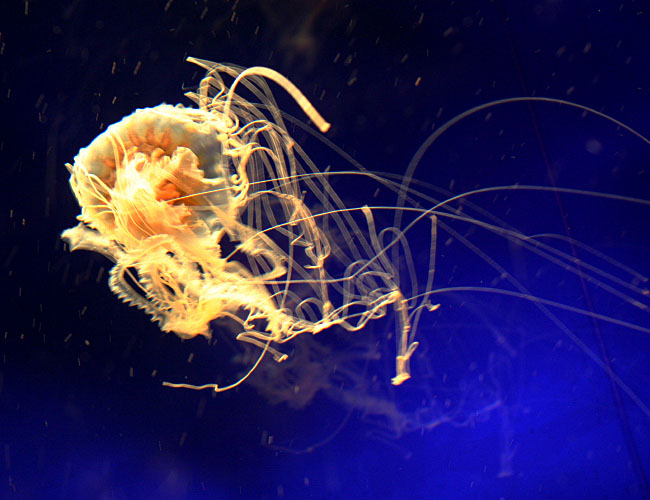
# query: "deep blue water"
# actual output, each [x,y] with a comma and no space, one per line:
[506,401]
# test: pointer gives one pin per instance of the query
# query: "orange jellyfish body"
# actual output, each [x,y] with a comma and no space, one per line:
[162,192]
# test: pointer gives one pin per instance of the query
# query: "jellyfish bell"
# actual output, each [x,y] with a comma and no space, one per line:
[202,211]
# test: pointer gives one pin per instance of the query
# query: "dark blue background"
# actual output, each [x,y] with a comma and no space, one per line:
[528,416]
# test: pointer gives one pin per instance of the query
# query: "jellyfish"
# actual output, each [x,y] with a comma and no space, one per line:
[206,213]
[214,214]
